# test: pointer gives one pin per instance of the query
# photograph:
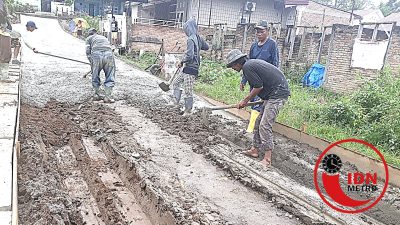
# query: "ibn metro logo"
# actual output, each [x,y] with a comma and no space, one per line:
[360,182]
[357,182]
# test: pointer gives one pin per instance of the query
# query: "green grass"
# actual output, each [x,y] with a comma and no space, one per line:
[142,62]
[369,114]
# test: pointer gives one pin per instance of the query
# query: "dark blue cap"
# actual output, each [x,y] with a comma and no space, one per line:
[31,24]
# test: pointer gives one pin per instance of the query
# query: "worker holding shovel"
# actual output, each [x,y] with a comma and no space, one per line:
[190,64]
[270,85]
[100,55]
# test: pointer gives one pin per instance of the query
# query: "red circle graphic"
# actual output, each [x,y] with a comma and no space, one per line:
[336,144]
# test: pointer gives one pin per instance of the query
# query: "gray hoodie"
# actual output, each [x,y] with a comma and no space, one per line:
[194,44]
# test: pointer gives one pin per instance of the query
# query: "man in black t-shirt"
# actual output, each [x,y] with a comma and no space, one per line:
[271,86]
[114,31]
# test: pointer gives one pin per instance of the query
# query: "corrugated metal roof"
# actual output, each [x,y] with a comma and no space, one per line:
[296,2]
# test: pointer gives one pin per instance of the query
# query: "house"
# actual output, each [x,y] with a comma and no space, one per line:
[210,12]
[99,7]
[319,15]
[393,17]
[370,15]
[234,12]
[37,4]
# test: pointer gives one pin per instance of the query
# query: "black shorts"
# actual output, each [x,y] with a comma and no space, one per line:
[15,43]
[79,32]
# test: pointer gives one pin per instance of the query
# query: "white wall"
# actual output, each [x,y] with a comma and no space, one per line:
[229,11]
[368,54]
[58,8]
[36,3]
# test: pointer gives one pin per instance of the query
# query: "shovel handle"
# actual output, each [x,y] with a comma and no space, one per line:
[173,77]
[234,105]
[62,57]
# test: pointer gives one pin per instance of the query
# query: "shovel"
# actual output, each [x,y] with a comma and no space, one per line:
[62,57]
[165,86]
[206,111]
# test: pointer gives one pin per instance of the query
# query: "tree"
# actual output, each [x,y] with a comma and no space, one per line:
[69,2]
[390,7]
[347,5]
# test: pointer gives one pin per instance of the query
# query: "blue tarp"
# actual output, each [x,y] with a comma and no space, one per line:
[315,76]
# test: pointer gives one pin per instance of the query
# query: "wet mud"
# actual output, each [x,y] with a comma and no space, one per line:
[138,162]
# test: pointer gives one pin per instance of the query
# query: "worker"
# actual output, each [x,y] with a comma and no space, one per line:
[100,55]
[16,38]
[265,48]
[190,64]
[79,28]
[270,85]
[114,31]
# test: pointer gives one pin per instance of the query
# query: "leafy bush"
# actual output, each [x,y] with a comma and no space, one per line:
[211,71]
[346,113]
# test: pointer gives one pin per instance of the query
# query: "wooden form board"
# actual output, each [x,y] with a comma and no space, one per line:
[363,162]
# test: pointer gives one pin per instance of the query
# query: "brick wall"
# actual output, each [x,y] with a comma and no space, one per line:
[393,54]
[341,77]
[170,35]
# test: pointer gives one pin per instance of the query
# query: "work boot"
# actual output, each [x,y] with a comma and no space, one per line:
[188,106]
[96,95]
[108,98]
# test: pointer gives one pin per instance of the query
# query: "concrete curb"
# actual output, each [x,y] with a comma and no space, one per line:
[9,145]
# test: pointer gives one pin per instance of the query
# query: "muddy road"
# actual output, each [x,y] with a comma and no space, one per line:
[137,162]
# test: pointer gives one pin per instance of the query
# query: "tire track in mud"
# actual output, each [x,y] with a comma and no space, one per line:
[67,179]
[161,196]
[291,159]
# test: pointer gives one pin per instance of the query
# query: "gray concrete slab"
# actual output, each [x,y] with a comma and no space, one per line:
[5,217]
[5,174]
[7,121]
[9,88]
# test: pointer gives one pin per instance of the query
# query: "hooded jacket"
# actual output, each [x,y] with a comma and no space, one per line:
[194,44]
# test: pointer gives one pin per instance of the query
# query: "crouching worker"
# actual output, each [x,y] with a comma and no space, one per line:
[100,55]
[190,64]
[270,85]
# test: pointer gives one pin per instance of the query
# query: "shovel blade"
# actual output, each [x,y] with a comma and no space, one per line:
[164,86]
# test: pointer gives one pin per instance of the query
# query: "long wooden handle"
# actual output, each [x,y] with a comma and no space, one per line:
[173,77]
[62,57]
[235,105]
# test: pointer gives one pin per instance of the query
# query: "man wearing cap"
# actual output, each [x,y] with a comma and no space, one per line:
[100,55]
[16,42]
[265,48]
[270,85]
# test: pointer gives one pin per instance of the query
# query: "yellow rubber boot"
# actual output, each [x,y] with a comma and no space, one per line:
[253,117]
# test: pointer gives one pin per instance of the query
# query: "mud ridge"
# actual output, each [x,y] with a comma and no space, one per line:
[292,159]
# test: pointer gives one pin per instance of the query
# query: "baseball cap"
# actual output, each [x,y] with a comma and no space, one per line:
[263,24]
[31,24]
